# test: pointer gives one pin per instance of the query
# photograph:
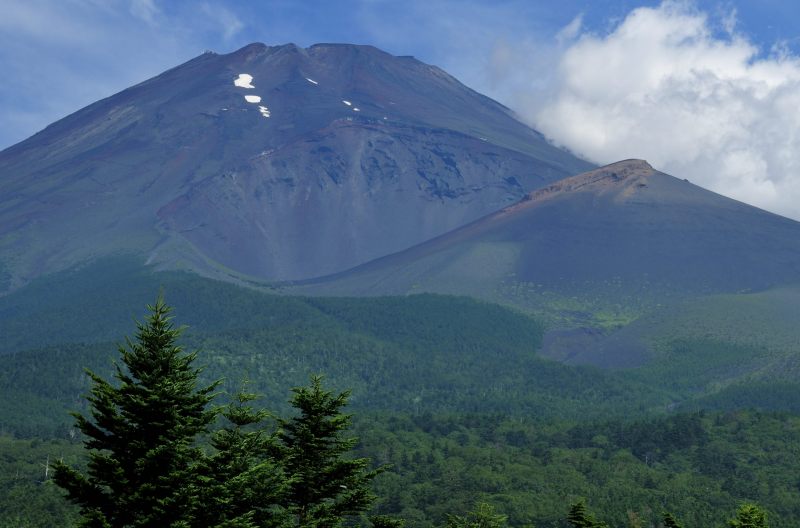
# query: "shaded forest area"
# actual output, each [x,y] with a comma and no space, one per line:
[448,394]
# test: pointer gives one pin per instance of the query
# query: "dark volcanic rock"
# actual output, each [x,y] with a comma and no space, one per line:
[624,225]
[349,154]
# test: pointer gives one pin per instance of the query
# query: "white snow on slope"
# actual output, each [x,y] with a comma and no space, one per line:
[348,103]
[252,98]
[245,80]
[264,111]
[312,81]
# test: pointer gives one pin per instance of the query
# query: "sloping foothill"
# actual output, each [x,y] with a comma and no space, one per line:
[628,268]
[420,353]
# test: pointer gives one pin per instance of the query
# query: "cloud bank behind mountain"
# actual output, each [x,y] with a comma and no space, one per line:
[696,90]
[684,90]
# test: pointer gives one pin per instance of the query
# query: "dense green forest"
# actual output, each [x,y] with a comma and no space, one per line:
[699,466]
[448,392]
[424,353]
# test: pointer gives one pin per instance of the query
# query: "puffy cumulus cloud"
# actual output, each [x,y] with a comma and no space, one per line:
[687,93]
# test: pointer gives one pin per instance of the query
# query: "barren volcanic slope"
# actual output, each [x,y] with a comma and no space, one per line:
[273,162]
[623,227]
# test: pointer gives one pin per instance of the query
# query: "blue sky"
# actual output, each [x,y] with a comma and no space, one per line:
[703,89]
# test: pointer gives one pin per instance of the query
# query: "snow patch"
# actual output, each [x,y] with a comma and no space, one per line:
[312,81]
[252,98]
[356,109]
[245,80]
[264,111]
[348,103]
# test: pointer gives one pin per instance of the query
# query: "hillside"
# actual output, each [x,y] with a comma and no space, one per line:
[448,390]
[395,353]
[621,230]
[610,313]
[270,163]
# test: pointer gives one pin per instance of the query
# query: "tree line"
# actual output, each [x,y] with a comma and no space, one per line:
[146,466]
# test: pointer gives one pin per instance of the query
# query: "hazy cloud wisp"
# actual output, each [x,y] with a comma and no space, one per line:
[60,56]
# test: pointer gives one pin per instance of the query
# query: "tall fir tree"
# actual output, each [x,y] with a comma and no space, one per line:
[749,516]
[579,517]
[326,486]
[242,485]
[141,434]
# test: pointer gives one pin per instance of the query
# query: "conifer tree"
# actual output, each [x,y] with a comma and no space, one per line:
[579,517]
[670,521]
[325,485]
[140,437]
[483,516]
[242,485]
[749,516]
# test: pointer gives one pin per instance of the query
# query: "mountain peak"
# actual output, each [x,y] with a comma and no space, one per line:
[273,161]
[624,227]
[622,175]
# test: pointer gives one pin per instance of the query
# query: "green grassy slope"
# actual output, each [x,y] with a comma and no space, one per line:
[714,345]
[761,319]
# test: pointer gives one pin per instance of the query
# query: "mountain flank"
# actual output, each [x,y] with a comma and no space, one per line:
[625,229]
[268,163]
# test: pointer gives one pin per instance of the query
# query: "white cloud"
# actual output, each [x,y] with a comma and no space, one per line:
[229,23]
[697,103]
[679,87]
[571,30]
[146,10]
